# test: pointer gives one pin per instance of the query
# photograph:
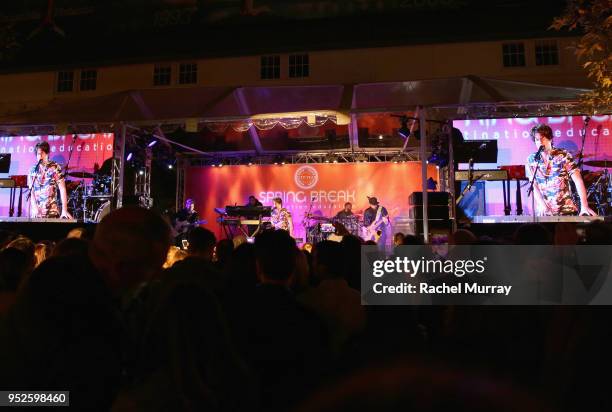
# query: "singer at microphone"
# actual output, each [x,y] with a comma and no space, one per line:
[538,155]
[45,180]
[553,169]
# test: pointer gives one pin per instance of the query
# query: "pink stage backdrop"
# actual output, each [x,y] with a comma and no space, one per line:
[88,150]
[515,144]
[326,186]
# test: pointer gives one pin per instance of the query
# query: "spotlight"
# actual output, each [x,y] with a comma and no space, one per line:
[170,167]
[220,164]
[129,156]
[152,143]
[380,137]
[404,130]
[141,172]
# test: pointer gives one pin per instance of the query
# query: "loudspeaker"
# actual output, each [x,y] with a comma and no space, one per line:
[433,198]
[435,226]
[433,212]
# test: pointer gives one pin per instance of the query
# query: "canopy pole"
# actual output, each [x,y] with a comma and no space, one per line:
[423,154]
[451,177]
[120,164]
[353,132]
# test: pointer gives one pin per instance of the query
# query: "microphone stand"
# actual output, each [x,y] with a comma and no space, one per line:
[36,169]
[584,130]
[468,187]
[530,190]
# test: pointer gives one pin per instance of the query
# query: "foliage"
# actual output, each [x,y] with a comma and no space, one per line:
[593,50]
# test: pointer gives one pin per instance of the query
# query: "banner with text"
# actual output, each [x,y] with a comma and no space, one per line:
[321,188]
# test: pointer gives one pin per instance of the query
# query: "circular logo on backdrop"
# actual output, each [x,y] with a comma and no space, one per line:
[306,177]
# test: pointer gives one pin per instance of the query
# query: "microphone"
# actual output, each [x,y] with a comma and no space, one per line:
[538,155]
[37,165]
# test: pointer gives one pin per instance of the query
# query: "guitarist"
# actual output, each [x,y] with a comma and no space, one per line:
[376,222]
[185,219]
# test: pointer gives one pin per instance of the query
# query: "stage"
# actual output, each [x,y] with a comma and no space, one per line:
[43,229]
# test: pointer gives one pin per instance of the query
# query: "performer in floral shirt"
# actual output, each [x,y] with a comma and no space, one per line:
[551,187]
[44,180]
[281,218]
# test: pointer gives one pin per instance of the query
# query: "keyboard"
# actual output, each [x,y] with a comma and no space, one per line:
[492,174]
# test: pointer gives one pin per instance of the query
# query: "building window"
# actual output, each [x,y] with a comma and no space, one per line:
[299,65]
[270,67]
[546,53]
[65,81]
[514,54]
[188,73]
[162,75]
[89,79]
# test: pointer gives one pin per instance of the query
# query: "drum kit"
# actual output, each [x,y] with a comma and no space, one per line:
[89,202]
[319,228]
[598,185]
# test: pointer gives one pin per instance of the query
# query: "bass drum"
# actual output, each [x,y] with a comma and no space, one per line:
[102,211]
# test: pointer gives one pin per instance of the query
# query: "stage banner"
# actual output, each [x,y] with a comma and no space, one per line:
[321,188]
[89,151]
[515,145]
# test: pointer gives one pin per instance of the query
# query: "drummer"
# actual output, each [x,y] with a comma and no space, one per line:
[346,212]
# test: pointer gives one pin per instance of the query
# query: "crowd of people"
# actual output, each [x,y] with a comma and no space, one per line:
[127,322]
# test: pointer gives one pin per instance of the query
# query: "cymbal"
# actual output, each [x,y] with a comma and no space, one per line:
[598,163]
[81,175]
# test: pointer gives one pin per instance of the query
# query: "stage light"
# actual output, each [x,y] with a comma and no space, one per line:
[141,172]
[380,137]
[129,156]
[404,130]
[170,167]
[152,143]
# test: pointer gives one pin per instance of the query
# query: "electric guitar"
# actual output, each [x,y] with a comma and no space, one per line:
[374,231]
[181,227]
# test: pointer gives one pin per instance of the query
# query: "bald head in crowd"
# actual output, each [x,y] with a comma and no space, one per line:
[130,246]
